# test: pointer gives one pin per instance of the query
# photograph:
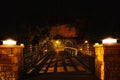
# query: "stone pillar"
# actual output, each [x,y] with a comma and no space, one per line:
[11,62]
[107,61]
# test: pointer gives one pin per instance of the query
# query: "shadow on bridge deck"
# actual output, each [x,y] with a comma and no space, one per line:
[58,66]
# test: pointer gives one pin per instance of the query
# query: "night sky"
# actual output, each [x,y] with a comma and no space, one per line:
[88,14]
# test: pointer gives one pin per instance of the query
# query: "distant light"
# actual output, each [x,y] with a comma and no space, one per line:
[9,42]
[45,50]
[109,41]
[86,41]
[57,41]
[81,49]
[21,44]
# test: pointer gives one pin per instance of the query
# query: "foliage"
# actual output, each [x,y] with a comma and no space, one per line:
[33,34]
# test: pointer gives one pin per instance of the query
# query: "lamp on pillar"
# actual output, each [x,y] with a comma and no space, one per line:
[107,59]
[109,41]
[11,57]
[9,42]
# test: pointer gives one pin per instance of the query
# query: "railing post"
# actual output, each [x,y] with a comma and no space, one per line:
[76,52]
[71,51]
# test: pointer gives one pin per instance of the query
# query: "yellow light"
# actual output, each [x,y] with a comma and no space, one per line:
[45,50]
[9,42]
[21,44]
[86,41]
[81,49]
[57,41]
[109,41]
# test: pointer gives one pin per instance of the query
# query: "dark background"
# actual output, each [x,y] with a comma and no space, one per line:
[96,17]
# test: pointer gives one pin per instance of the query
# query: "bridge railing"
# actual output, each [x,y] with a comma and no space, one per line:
[72,51]
[31,57]
[87,60]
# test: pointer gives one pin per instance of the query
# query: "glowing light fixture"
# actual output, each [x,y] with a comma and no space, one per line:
[109,41]
[21,44]
[57,42]
[45,50]
[9,42]
[86,41]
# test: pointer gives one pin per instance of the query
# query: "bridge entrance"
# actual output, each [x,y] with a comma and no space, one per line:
[58,65]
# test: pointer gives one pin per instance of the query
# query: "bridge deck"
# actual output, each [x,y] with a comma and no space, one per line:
[59,66]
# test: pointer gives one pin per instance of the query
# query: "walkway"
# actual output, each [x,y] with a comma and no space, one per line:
[59,66]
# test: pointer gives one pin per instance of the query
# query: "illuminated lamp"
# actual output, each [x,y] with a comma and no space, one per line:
[21,44]
[86,41]
[109,41]
[57,42]
[9,42]
[45,50]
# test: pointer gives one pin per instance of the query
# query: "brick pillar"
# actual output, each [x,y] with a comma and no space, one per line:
[11,62]
[107,61]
